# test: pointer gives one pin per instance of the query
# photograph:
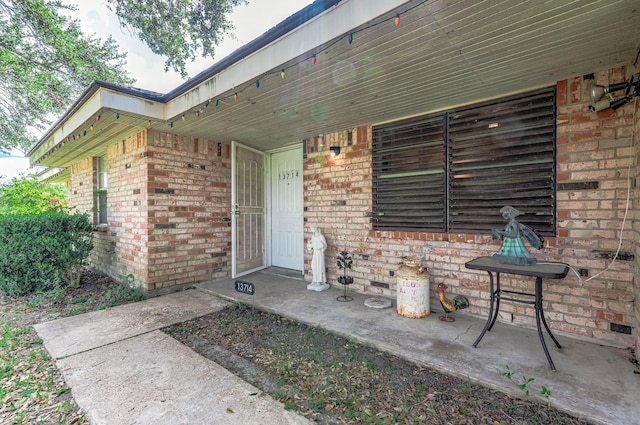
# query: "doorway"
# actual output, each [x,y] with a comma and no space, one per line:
[267,209]
[287,209]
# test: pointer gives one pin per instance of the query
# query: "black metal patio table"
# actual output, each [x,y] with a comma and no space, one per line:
[545,270]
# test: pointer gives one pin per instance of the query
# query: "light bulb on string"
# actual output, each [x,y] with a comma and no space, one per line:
[217,102]
[183,117]
[117,115]
[313,60]
[171,124]
[235,96]
[257,84]
[397,20]
[91,128]
[197,114]
[98,118]
[149,123]
[282,73]
[350,37]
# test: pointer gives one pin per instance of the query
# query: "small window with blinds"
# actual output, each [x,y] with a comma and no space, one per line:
[101,190]
[452,172]
[409,175]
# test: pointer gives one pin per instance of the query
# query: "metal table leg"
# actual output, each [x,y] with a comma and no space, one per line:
[539,316]
[492,315]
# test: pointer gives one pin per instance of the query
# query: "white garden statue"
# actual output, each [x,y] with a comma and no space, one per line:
[318,245]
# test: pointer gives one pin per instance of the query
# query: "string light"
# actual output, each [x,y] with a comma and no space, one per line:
[314,59]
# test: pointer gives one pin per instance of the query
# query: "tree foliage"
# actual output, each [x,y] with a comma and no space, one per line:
[45,63]
[27,196]
[177,29]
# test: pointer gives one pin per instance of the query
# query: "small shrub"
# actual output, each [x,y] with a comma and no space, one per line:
[38,252]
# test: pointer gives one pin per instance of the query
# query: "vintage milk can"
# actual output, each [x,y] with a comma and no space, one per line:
[412,289]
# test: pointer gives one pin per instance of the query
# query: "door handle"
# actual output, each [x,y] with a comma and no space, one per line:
[235,210]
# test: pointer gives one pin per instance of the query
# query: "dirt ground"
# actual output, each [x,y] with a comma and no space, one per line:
[331,380]
[32,390]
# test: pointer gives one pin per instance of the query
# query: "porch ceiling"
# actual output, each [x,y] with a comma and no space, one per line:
[444,53]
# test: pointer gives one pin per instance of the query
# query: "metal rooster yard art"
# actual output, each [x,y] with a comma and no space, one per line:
[459,302]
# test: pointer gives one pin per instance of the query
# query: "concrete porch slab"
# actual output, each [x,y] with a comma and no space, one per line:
[592,381]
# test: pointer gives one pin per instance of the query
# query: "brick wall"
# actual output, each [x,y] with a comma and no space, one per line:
[189,194]
[168,203]
[81,197]
[81,188]
[125,238]
[594,151]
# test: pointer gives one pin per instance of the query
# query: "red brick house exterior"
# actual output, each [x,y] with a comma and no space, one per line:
[169,216]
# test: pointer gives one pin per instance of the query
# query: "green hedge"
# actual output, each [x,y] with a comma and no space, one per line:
[38,252]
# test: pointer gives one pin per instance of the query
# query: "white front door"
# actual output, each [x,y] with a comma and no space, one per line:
[248,209]
[287,218]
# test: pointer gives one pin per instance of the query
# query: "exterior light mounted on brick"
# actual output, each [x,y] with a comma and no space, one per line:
[335,150]
[632,89]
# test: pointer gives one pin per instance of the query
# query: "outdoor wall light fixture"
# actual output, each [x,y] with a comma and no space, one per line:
[335,150]
[598,92]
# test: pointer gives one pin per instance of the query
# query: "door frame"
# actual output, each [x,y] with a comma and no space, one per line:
[266,216]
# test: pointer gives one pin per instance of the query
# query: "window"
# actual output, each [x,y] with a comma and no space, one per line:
[101,201]
[453,171]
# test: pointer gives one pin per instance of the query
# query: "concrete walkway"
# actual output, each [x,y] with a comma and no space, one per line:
[122,370]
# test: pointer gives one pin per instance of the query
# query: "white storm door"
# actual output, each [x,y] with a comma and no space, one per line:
[247,209]
[287,218]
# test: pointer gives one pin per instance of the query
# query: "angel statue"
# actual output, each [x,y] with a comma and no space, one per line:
[513,250]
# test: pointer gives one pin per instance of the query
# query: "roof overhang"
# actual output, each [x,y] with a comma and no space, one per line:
[442,54]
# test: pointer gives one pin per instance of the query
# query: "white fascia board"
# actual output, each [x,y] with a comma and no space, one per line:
[103,98]
[128,103]
[339,20]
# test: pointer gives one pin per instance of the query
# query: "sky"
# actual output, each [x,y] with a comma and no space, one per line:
[250,21]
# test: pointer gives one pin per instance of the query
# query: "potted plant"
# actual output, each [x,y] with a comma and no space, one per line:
[344,263]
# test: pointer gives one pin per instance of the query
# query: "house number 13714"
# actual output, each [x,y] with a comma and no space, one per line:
[245,287]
